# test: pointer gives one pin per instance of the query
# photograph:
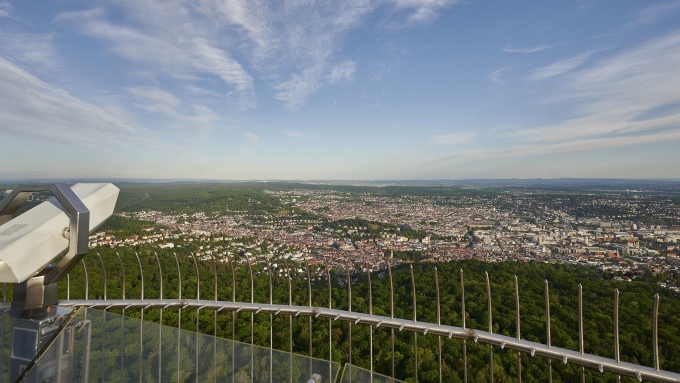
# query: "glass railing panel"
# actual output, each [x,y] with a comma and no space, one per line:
[359,375]
[100,346]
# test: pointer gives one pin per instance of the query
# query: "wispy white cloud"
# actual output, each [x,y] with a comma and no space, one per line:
[343,71]
[537,48]
[181,53]
[614,93]
[577,145]
[657,12]
[452,139]
[6,9]
[293,46]
[155,100]
[250,137]
[31,109]
[559,67]
[422,10]
[29,48]
[497,76]
[615,103]
[624,100]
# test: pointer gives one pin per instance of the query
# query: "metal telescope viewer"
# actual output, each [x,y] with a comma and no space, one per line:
[29,243]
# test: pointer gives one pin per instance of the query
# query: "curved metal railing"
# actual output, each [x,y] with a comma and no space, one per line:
[373,321]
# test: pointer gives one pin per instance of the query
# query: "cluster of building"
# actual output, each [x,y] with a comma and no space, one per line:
[502,227]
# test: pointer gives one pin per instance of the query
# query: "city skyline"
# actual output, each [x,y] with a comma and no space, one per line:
[358,90]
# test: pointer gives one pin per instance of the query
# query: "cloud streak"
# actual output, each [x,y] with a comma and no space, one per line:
[5,9]
[617,102]
[452,138]
[421,11]
[173,52]
[31,109]
[541,47]
[293,45]
[558,68]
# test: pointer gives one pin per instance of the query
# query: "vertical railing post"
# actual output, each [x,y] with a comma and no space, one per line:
[214,263]
[439,322]
[349,308]
[233,318]
[271,323]
[656,332]
[290,323]
[415,334]
[580,328]
[252,317]
[462,303]
[617,354]
[160,319]
[179,316]
[389,271]
[106,279]
[309,295]
[252,301]
[547,326]
[370,312]
[122,318]
[519,354]
[330,321]
[198,311]
[488,296]
[141,322]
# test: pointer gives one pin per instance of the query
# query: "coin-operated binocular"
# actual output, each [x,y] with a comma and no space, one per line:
[37,249]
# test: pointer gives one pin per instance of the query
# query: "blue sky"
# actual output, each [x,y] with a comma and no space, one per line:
[328,89]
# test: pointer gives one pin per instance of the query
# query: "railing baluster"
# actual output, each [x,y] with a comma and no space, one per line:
[122,319]
[415,334]
[290,323]
[160,328]
[101,261]
[547,325]
[252,300]
[179,315]
[233,318]
[349,308]
[389,271]
[214,263]
[271,322]
[462,302]
[252,317]
[656,331]
[309,295]
[519,354]
[141,322]
[617,354]
[87,280]
[330,321]
[488,295]
[439,322]
[370,312]
[580,328]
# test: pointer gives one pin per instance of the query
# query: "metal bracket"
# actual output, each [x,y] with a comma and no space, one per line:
[79,226]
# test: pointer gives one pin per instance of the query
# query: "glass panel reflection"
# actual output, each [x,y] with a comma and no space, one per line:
[360,375]
[104,347]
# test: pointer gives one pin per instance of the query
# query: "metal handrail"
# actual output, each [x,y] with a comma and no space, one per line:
[376,321]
